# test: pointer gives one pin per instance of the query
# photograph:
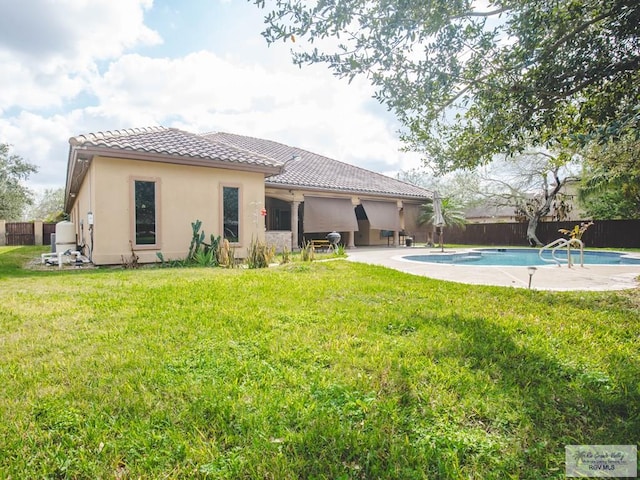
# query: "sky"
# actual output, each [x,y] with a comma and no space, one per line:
[71,67]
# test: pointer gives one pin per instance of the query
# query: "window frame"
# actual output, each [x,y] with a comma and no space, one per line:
[132,213]
[240,211]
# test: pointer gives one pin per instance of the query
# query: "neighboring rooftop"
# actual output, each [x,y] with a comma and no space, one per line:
[310,170]
[490,212]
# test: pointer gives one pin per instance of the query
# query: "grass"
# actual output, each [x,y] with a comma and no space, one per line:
[317,370]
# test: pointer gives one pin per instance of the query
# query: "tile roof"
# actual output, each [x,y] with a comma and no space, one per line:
[172,141]
[296,167]
[310,170]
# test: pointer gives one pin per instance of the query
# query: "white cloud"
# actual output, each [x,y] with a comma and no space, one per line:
[308,108]
[55,90]
[42,141]
[74,30]
[21,86]
[49,50]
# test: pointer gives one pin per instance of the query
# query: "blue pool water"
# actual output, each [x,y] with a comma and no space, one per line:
[523,257]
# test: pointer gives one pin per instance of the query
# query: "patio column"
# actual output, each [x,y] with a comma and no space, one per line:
[396,233]
[295,206]
[351,242]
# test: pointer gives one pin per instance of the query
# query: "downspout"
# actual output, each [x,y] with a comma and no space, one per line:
[90,219]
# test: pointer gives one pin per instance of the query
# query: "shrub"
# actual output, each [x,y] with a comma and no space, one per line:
[200,252]
[226,254]
[132,260]
[339,251]
[205,258]
[286,256]
[308,252]
[259,255]
[171,263]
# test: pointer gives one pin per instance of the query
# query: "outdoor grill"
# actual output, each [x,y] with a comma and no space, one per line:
[334,238]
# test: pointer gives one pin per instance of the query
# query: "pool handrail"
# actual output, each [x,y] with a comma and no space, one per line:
[561,243]
[553,259]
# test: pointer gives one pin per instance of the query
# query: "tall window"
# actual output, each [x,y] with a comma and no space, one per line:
[231,214]
[145,211]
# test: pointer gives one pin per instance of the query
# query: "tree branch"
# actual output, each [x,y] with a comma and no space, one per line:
[581,28]
[481,14]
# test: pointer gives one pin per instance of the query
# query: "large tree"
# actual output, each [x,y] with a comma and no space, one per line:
[468,82]
[461,186]
[611,180]
[49,206]
[533,183]
[14,195]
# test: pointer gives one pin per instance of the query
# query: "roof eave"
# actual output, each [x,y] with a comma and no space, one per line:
[79,154]
[74,177]
[183,160]
[293,186]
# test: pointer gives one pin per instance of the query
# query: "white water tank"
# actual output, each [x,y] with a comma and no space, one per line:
[65,236]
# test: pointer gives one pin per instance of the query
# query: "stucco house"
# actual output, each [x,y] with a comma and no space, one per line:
[141,188]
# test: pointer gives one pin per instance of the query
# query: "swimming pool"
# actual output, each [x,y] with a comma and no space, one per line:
[522,257]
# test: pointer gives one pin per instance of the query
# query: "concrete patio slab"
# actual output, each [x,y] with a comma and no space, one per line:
[551,277]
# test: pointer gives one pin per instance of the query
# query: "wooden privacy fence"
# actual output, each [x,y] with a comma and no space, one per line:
[20,234]
[603,233]
[47,230]
[26,233]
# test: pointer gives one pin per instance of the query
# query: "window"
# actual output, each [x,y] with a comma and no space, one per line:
[145,220]
[231,214]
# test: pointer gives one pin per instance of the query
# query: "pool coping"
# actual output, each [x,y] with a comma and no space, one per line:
[466,251]
[546,277]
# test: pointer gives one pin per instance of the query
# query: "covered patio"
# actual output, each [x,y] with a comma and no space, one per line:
[315,195]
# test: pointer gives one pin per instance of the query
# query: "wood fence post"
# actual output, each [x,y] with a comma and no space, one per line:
[37,232]
[3,233]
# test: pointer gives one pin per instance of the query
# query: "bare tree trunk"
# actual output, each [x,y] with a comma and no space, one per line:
[531,231]
[534,219]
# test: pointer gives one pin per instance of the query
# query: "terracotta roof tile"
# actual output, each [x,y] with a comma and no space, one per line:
[302,168]
[310,170]
[172,141]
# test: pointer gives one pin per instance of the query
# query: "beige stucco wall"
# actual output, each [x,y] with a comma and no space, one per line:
[186,193]
[367,236]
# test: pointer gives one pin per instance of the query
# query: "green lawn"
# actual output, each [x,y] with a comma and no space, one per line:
[324,370]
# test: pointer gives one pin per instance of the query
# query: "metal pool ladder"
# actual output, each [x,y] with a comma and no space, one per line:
[562,243]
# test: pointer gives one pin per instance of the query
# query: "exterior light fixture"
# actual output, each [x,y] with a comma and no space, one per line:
[531,271]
